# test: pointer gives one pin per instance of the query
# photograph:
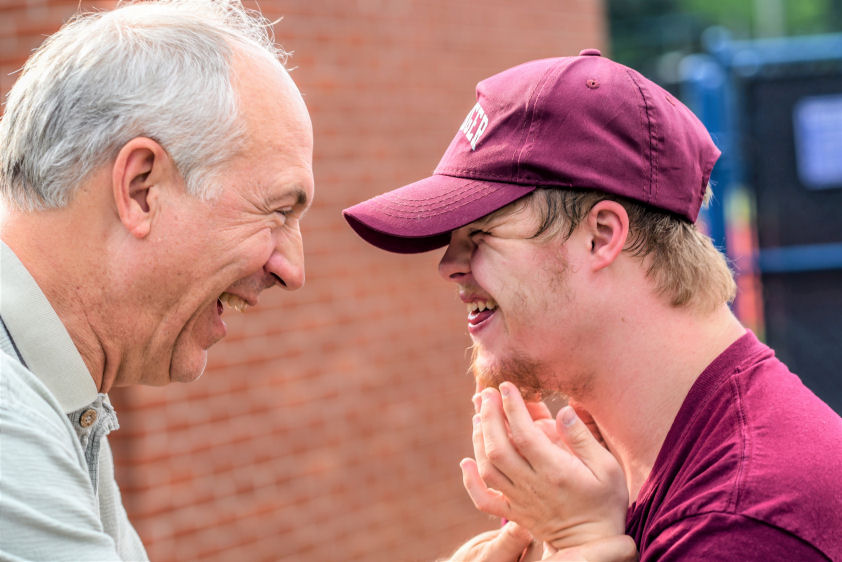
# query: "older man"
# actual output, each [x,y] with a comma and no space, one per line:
[567,203]
[155,162]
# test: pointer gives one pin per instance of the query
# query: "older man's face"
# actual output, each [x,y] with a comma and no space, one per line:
[226,251]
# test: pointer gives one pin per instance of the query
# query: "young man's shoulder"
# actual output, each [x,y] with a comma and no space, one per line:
[750,444]
[791,458]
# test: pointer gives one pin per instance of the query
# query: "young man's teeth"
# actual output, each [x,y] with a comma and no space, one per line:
[233,301]
[479,306]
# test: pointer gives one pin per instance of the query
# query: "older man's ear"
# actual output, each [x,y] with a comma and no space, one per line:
[141,169]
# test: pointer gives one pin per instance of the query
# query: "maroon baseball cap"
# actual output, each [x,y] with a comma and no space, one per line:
[582,122]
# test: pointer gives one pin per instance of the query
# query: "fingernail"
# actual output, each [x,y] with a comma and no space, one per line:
[476,419]
[504,389]
[477,400]
[568,416]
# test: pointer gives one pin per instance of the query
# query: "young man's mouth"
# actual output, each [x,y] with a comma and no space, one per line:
[480,310]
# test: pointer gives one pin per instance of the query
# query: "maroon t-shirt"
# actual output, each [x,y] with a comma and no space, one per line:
[751,469]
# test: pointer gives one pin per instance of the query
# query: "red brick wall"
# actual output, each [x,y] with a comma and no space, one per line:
[329,425]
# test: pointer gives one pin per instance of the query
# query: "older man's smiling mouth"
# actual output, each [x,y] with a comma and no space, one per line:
[231,301]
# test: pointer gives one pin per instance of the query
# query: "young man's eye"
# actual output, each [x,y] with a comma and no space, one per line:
[477,232]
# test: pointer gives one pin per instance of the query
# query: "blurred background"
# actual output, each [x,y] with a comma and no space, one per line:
[330,423]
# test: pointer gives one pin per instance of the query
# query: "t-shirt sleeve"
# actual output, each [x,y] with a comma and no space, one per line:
[48,509]
[724,536]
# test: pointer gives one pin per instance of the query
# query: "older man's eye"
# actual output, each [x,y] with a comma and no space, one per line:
[477,232]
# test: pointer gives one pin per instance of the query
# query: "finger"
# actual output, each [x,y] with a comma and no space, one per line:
[485,499]
[549,550]
[538,411]
[488,471]
[528,438]
[504,544]
[499,449]
[509,544]
[477,401]
[533,553]
[548,427]
[580,440]
[588,420]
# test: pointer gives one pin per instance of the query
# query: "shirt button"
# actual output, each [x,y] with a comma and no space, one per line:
[88,417]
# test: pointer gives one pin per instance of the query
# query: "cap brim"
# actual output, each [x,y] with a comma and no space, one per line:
[420,216]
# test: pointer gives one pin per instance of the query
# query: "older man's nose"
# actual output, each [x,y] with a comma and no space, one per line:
[286,266]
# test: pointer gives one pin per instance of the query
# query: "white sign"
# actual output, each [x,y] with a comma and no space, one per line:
[818,141]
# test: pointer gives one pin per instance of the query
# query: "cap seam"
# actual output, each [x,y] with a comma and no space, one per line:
[528,118]
[395,213]
[454,194]
[535,99]
[652,191]
[706,173]
[452,203]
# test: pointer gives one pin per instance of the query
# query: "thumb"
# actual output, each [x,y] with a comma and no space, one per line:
[509,544]
[579,438]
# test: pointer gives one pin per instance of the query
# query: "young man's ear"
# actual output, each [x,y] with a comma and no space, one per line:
[608,226]
[138,171]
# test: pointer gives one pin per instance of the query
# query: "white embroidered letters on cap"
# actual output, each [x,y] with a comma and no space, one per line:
[474,125]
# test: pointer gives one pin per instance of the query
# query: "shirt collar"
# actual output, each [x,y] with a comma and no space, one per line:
[40,336]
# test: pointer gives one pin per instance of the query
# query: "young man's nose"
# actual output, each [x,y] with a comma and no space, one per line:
[456,261]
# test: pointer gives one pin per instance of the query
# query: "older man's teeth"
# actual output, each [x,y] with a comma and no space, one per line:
[233,302]
[479,306]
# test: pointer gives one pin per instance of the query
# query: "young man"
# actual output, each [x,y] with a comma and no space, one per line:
[155,161]
[567,203]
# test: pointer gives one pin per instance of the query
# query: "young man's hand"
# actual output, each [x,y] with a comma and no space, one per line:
[563,486]
[511,543]
[506,544]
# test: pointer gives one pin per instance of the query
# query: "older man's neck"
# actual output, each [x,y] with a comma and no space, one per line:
[60,249]
[637,397]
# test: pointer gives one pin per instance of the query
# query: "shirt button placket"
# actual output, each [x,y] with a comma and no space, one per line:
[87,418]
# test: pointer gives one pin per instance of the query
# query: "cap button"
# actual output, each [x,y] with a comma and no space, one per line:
[590,53]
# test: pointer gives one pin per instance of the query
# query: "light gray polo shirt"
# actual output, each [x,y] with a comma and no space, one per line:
[58,496]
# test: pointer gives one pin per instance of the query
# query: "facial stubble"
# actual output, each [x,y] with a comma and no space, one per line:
[520,371]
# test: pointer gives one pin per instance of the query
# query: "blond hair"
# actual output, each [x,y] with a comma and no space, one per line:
[683,263]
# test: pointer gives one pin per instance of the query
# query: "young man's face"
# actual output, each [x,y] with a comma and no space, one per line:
[520,297]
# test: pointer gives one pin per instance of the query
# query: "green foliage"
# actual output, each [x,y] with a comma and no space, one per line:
[648,34]
[813,16]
